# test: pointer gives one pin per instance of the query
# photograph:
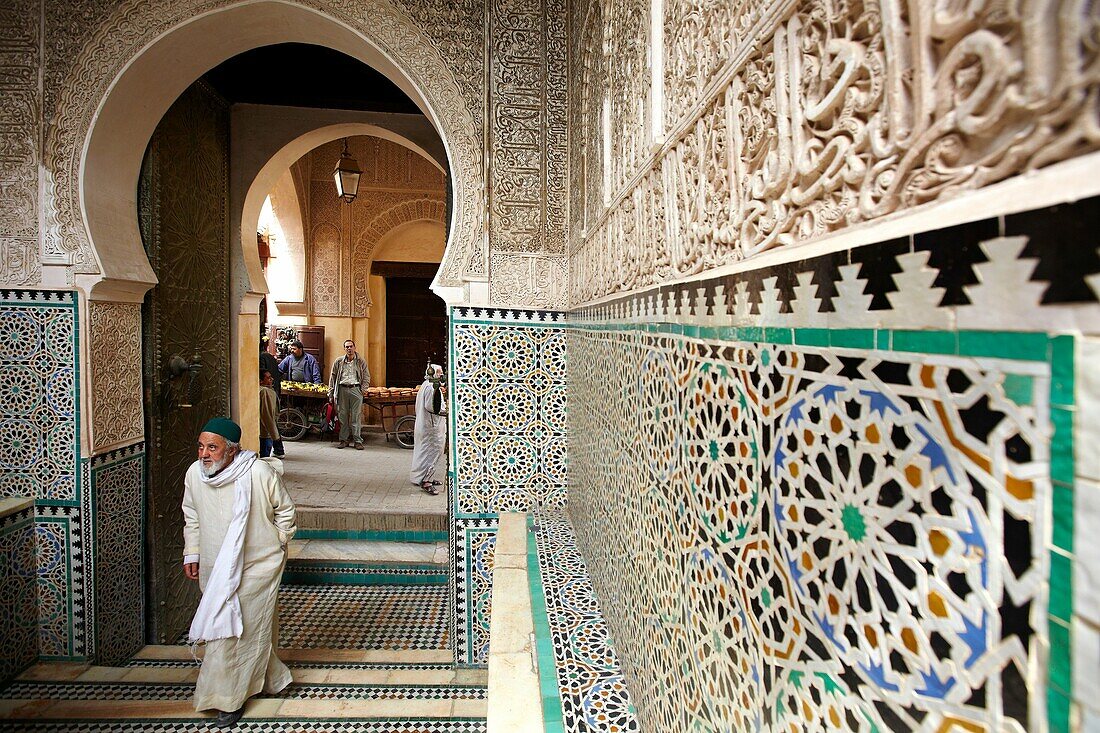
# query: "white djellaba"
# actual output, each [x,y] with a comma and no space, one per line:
[247,519]
[431,428]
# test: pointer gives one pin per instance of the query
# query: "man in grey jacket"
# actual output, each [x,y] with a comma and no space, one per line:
[347,385]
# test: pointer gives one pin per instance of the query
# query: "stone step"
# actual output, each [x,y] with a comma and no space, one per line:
[313,519]
[380,551]
[421,686]
[395,658]
[366,562]
[410,691]
[78,716]
[171,669]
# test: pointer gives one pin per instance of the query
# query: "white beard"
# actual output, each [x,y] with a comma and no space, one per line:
[214,467]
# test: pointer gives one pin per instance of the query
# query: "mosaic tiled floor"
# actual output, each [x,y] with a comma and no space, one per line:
[594,698]
[362,617]
[35,690]
[334,725]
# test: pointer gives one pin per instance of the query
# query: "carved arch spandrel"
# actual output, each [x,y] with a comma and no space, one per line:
[422,209]
[109,247]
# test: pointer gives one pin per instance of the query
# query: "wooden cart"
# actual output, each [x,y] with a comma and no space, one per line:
[387,400]
[301,410]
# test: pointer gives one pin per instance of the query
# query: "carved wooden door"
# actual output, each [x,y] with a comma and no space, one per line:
[183,196]
[416,330]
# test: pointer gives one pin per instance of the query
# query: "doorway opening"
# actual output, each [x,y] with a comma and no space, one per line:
[316,252]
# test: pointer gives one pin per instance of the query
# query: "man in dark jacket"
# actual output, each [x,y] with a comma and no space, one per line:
[299,366]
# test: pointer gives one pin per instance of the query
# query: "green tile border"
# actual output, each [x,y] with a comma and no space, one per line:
[548,675]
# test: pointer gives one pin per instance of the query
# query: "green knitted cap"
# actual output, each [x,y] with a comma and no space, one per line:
[224,427]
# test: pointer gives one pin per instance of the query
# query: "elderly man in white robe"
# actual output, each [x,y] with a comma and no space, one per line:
[431,430]
[238,519]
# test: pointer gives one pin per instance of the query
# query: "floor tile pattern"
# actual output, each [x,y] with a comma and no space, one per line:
[183,663]
[342,725]
[363,617]
[594,697]
[31,690]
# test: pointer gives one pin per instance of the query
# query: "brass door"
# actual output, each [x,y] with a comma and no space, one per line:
[182,204]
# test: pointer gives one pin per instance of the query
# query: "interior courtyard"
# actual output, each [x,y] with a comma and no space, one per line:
[770,337]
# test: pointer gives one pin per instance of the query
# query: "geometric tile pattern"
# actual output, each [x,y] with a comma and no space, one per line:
[472,545]
[40,421]
[34,690]
[253,725]
[38,395]
[481,546]
[509,449]
[852,535]
[509,414]
[594,696]
[117,488]
[18,599]
[64,598]
[363,617]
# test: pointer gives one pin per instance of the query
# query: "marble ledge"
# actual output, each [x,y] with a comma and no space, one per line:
[14,504]
[515,703]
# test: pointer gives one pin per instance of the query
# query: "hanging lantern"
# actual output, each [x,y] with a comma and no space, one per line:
[346,175]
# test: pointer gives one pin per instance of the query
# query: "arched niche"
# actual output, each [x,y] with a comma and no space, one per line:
[146,54]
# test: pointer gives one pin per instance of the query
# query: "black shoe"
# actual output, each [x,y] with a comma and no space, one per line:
[227,720]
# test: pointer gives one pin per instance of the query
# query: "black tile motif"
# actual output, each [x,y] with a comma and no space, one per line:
[878,265]
[954,252]
[1064,239]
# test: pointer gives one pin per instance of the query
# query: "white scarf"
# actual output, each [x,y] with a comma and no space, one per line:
[219,612]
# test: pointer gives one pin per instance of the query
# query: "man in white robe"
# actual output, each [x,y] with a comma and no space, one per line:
[238,519]
[430,432]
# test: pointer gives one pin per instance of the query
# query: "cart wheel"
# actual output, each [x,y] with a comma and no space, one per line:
[292,423]
[403,430]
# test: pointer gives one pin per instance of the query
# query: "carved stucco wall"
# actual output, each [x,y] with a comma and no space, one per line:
[505,96]
[774,124]
[528,207]
[81,47]
[398,186]
[20,153]
[117,417]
